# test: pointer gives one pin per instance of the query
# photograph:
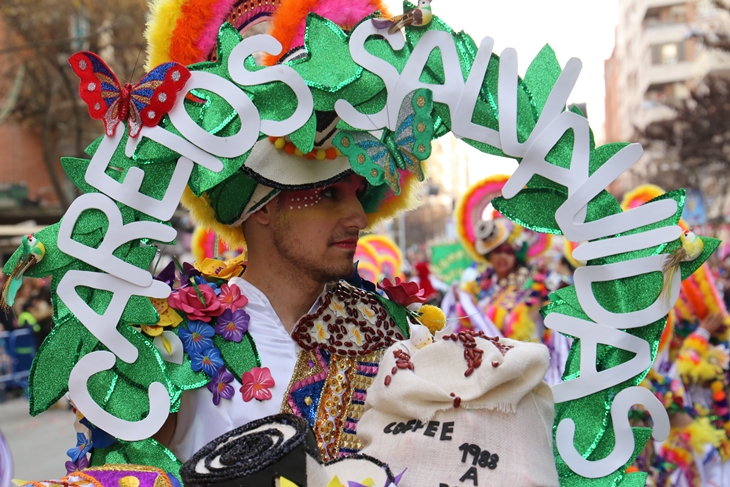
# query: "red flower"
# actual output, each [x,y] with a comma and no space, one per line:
[402,292]
[256,384]
[231,297]
[201,307]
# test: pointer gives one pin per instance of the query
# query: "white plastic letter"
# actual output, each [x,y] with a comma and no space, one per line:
[233,146]
[118,234]
[586,276]
[461,124]
[285,74]
[374,64]
[99,361]
[591,334]
[624,446]
[104,326]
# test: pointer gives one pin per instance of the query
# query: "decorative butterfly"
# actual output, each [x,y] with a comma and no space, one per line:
[381,160]
[140,105]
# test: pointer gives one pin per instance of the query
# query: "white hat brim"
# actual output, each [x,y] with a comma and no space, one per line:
[275,168]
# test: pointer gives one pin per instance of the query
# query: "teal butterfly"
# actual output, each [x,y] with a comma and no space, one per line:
[380,160]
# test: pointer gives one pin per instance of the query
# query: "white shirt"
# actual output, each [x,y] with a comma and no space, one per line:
[200,421]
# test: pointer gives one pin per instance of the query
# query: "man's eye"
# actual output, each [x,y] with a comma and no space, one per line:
[328,193]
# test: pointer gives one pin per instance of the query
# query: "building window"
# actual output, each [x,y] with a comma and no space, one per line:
[671,53]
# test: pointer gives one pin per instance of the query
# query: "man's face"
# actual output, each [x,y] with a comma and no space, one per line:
[318,230]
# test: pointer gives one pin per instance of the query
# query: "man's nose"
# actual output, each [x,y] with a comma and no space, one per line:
[355,216]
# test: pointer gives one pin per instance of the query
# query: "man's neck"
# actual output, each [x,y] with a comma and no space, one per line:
[290,293]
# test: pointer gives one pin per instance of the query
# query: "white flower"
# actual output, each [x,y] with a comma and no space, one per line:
[338,307]
[321,335]
[367,312]
[355,334]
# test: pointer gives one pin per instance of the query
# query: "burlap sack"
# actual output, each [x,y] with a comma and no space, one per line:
[497,433]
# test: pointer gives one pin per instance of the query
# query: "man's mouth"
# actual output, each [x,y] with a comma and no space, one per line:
[346,243]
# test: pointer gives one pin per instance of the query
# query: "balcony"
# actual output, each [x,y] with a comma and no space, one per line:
[663,3]
[665,33]
[669,73]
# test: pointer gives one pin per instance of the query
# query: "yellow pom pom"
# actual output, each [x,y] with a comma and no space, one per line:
[717,386]
[321,154]
[432,318]
[298,152]
[280,143]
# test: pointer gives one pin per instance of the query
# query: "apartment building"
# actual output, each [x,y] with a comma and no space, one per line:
[657,58]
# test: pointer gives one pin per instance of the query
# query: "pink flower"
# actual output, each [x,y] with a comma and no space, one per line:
[256,384]
[201,307]
[231,297]
[402,292]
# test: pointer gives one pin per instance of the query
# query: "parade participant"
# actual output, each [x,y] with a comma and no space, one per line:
[247,147]
[509,294]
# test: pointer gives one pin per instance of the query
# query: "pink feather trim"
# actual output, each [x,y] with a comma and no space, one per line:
[342,12]
[208,38]
[475,200]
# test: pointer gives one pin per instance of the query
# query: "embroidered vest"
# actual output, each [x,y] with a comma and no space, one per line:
[342,344]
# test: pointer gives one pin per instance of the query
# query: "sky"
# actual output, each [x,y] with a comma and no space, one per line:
[573,28]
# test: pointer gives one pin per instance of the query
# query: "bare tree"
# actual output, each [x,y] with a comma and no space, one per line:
[40,36]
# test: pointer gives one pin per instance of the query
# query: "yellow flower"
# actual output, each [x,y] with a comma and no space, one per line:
[432,318]
[222,270]
[321,335]
[168,318]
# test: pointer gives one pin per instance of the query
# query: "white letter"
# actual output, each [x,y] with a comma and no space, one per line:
[461,124]
[590,335]
[622,429]
[233,146]
[128,192]
[448,93]
[117,235]
[104,326]
[99,361]
[375,65]
[285,74]
[586,276]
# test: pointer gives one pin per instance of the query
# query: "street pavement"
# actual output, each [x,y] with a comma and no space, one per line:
[38,444]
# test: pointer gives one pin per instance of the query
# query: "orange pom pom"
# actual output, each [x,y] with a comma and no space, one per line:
[632,469]
[289,148]
[331,153]
[719,396]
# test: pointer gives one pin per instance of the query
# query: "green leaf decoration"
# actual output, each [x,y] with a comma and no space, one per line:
[303,138]
[534,209]
[51,369]
[238,357]
[149,366]
[541,76]
[400,314]
[147,452]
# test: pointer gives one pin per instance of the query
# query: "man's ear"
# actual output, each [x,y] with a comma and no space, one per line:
[265,215]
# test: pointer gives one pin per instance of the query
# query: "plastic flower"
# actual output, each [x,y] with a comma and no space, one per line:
[197,336]
[168,318]
[338,307]
[256,384]
[197,302]
[367,312]
[80,464]
[321,333]
[231,325]
[231,297]
[355,334]
[218,269]
[209,361]
[402,292]
[221,386]
[81,449]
